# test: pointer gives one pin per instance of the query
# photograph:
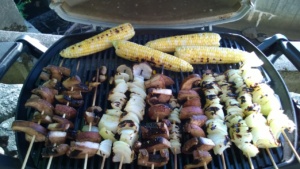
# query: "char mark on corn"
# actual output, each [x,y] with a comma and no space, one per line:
[138,53]
[210,55]
[198,39]
[99,42]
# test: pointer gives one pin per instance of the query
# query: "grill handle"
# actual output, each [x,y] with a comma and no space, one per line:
[279,44]
[33,45]
[13,50]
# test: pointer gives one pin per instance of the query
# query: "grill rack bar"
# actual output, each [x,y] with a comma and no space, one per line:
[88,65]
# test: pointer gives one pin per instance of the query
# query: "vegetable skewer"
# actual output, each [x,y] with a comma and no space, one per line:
[270,106]
[64,115]
[30,147]
[272,159]
[235,112]
[157,120]
[291,145]
[174,134]
[90,123]
[215,114]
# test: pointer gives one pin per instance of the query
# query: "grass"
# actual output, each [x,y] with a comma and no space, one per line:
[21,6]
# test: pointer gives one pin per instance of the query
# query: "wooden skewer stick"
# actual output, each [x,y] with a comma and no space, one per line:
[90,124]
[86,155]
[272,159]
[30,147]
[64,115]
[205,165]
[175,159]
[291,145]
[175,155]
[152,165]
[121,163]
[103,162]
[250,162]
[223,161]
[28,152]
[51,157]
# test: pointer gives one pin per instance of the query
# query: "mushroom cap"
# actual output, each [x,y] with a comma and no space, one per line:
[30,128]
[188,82]
[142,69]
[125,69]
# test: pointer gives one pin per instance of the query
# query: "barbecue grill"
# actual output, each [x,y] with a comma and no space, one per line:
[87,70]
[88,66]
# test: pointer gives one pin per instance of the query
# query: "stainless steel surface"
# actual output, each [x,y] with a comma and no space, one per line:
[172,14]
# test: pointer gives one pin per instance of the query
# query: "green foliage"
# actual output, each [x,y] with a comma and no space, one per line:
[21,6]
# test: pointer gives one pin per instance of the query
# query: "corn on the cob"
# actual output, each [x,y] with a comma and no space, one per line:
[99,42]
[170,43]
[216,55]
[138,53]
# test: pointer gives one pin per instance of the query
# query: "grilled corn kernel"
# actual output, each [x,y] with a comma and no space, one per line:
[212,55]
[170,43]
[135,52]
[99,42]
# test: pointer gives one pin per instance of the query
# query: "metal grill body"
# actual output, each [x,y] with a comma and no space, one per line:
[87,69]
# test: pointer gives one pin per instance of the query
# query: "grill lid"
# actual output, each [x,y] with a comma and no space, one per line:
[172,14]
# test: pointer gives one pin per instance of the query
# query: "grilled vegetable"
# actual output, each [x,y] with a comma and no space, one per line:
[142,69]
[157,143]
[188,112]
[199,143]
[194,130]
[159,111]
[188,82]
[170,43]
[54,71]
[221,140]
[201,158]
[30,128]
[216,55]
[40,105]
[159,81]
[127,124]
[153,130]
[79,149]
[58,137]
[109,122]
[175,136]
[105,148]
[99,42]
[55,151]
[91,115]
[58,127]
[122,150]
[184,95]
[61,120]
[129,136]
[68,111]
[135,52]
[42,118]
[157,160]
[45,93]
[107,134]
[88,136]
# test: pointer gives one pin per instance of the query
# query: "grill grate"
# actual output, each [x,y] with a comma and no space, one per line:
[233,157]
